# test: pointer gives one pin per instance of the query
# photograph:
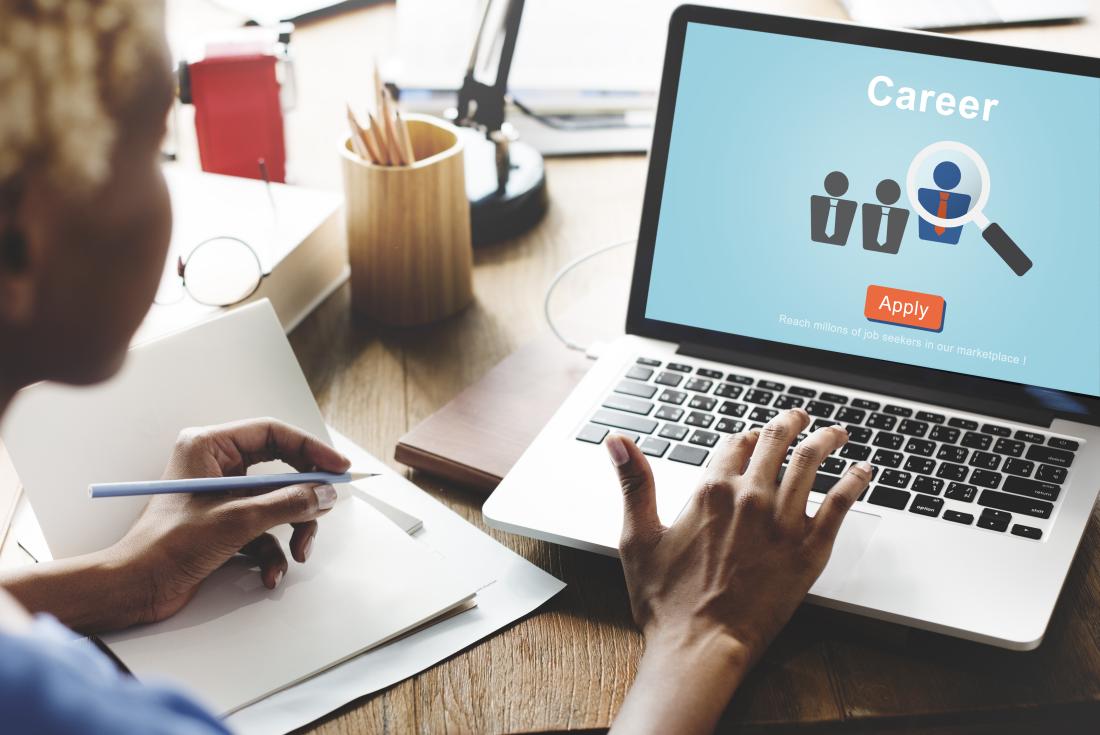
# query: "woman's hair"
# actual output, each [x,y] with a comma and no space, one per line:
[66,69]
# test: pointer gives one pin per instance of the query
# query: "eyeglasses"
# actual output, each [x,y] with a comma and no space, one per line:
[221,271]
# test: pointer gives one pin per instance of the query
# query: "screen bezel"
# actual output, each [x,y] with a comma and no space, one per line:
[1031,399]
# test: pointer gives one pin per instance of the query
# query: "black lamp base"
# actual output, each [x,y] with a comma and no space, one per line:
[497,214]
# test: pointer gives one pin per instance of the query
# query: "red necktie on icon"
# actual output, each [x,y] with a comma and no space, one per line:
[942,211]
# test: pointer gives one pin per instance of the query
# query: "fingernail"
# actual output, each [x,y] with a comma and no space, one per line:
[865,466]
[278,577]
[616,447]
[307,548]
[326,496]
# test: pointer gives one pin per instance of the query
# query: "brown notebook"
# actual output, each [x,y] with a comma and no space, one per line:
[476,438]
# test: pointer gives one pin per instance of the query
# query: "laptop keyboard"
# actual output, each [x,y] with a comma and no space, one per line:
[929,463]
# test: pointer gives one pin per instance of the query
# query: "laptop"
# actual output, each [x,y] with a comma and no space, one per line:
[819,230]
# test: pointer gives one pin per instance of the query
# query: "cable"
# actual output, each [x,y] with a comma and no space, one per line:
[557,279]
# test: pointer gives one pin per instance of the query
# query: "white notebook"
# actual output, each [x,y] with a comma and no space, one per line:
[367,581]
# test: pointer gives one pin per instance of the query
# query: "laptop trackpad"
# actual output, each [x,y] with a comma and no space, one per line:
[853,539]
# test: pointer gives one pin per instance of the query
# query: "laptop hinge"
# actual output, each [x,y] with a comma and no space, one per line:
[921,393]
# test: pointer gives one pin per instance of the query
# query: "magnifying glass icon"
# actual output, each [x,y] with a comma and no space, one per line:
[997,238]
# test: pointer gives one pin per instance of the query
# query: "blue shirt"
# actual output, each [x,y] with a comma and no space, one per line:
[51,681]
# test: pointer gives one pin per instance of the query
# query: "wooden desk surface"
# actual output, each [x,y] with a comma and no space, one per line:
[568,666]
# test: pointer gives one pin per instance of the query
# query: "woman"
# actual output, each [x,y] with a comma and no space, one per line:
[84,229]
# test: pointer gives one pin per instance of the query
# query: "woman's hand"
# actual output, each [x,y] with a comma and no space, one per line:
[180,539]
[713,590]
[156,568]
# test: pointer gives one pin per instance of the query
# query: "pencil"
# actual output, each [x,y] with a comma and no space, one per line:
[357,142]
[371,142]
[391,128]
[403,137]
[222,484]
[379,134]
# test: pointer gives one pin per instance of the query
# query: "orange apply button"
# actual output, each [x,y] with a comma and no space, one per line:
[905,308]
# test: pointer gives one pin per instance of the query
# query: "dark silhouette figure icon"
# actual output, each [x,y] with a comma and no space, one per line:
[884,225]
[831,217]
[943,203]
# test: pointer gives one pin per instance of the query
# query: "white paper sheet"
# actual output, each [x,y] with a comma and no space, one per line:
[521,587]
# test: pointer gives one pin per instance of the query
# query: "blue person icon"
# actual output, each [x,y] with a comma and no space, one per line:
[943,203]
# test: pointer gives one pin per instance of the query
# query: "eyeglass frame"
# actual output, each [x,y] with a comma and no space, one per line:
[181,270]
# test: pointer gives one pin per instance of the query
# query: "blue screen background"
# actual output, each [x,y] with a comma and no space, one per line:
[760,120]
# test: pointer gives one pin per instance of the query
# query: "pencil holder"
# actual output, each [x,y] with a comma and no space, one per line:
[409,229]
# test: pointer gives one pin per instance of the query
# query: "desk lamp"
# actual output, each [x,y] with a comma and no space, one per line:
[505,178]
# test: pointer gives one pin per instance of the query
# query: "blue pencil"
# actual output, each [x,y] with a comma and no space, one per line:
[221,484]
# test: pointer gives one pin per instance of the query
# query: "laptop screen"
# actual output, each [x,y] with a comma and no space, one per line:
[939,212]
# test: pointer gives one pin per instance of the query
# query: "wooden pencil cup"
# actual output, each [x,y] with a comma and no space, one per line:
[409,229]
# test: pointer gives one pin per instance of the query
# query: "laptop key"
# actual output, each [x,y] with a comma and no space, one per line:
[1015,504]
[821,424]
[624,421]
[958,517]
[728,390]
[1046,473]
[886,458]
[672,396]
[628,434]
[985,460]
[763,415]
[849,415]
[961,492]
[820,409]
[865,404]
[993,523]
[927,485]
[926,505]
[833,465]
[1060,443]
[761,397]
[974,440]
[888,441]
[703,403]
[708,373]
[950,471]
[833,398]
[639,373]
[669,379]
[798,390]
[688,454]
[929,416]
[857,452]
[1026,531]
[920,465]
[698,418]
[1031,488]
[634,388]
[739,379]
[964,424]
[881,421]
[654,447]
[1020,467]
[996,430]
[679,367]
[898,411]
[787,401]
[669,413]
[648,361]
[729,426]
[889,497]
[704,438]
[1048,455]
[673,431]
[952,454]
[770,385]
[592,434]
[920,446]
[944,434]
[985,478]
[895,478]
[699,385]
[912,427]
[1029,436]
[858,434]
[729,408]
[628,404]
[1009,447]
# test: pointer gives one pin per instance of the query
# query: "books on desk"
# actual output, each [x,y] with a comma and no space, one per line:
[297,233]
